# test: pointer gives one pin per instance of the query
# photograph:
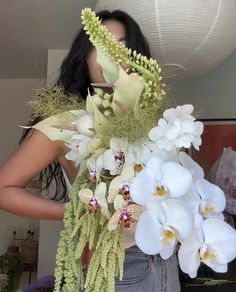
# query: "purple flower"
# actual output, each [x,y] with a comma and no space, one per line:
[45,282]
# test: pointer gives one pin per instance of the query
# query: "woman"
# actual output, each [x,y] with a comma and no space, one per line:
[79,69]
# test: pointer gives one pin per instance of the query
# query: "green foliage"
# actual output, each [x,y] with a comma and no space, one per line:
[12,265]
[53,100]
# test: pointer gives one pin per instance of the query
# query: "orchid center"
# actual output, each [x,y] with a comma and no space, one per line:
[206,209]
[160,191]
[168,236]
[125,218]
[208,256]
[138,167]
[93,205]
[119,159]
[92,177]
[125,191]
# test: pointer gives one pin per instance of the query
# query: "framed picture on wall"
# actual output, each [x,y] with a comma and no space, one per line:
[217,134]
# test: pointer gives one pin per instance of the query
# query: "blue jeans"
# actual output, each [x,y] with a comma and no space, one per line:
[148,273]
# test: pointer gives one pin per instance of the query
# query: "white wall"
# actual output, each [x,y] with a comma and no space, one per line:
[14,93]
[50,230]
[213,94]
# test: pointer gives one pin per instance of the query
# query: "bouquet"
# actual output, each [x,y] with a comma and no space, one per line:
[134,172]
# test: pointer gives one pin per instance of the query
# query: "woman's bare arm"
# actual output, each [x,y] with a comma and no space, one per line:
[33,155]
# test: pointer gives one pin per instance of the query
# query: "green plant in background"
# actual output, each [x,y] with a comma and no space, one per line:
[3,282]
[12,266]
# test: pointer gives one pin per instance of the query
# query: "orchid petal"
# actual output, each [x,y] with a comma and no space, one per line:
[155,164]
[189,259]
[178,216]
[211,192]
[148,233]
[85,195]
[114,187]
[119,202]
[191,165]
[177,179]
[142,186]
[167,251]
[221,237]
[114,221]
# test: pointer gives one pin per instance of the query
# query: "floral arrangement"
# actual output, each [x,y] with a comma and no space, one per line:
[134,174]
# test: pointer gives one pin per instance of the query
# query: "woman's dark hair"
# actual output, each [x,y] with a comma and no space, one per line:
[74,78]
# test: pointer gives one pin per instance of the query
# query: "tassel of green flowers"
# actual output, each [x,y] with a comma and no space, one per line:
[105,262]
[67,266]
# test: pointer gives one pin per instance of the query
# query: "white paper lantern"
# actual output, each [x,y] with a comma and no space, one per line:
[187,37]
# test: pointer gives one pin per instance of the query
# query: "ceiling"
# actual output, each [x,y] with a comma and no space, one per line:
[28,28]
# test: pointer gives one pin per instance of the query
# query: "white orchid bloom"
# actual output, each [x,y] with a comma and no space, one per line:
[158,135]
[206,200]
[162,225]
[211,199]
[94,166]
[114,158]
[84,124]
[161,180]
[177,129]
[214,245]
[119,188]
[96,200]
[79,148]
[187,162]
[124,216]
[138,155]
[183,133]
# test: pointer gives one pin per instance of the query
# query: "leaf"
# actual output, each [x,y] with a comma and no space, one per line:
[99,119]
[128,89]
[110,69]
[59,127]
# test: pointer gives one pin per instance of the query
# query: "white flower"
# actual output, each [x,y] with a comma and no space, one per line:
[214,245]
[79,148]
[94,166]
[119,187]
[184,133]
[124,216]
[177,129]
[84,123]
[161,226]
[114,158]
[187,162]
[180,112]
[206,200]
[160,179]
[137,156]
[96,200]
[158,135]
[211,199]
